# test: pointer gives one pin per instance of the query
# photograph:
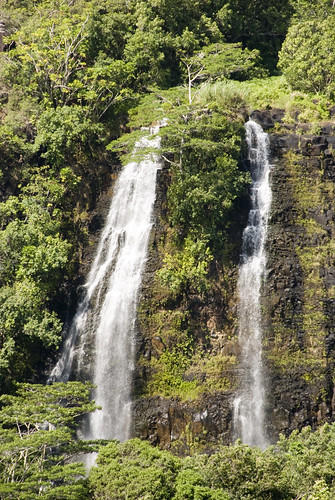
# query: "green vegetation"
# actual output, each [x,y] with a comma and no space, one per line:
[38,442]
[134,470]
[272,92]
[72,74]
[307,59]
[301,466]
[76,75]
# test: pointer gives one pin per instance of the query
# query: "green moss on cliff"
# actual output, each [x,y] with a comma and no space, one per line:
[311,192]
[185,318]
[298,345]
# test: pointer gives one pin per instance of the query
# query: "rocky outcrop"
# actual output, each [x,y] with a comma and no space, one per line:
[183,426]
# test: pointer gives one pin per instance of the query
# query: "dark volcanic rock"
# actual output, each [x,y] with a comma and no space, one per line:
[171,423]
[267,118]
[299,309]
[280,144]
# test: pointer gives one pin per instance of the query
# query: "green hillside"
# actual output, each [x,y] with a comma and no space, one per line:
[78,79]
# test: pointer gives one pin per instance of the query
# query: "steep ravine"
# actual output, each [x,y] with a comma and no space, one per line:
[298,304]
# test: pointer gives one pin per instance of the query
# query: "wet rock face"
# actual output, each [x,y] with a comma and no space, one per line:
[268,117]
[298,302]
[299,321]
[169,422]
[181,426]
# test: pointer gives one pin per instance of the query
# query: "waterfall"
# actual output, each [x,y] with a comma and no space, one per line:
[101,343]
[249,405]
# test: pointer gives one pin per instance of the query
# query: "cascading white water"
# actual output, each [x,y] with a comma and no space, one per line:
[105,321]
[249,424]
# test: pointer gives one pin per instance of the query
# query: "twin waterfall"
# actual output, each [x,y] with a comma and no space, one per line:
[101,342]
[249,423]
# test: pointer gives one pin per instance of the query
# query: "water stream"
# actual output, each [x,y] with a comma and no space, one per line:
[100,346]
[249,405]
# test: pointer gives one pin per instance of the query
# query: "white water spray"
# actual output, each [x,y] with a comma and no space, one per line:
[101,342]
[249,405]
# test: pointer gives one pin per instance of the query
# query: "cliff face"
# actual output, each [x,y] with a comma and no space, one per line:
[299,288]
[298,304]
[173,423]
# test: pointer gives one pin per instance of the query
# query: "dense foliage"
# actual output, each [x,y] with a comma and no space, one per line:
[307,59]
[75,75]
[70,73]
[38,445]
[38,442]
[301,466]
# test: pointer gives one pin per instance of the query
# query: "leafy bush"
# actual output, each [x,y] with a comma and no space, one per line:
[308,59]
[191,485]
[309,461]
[38,445]
[168,379]
[186,269]
[133,470]
[301,466]
[65,131]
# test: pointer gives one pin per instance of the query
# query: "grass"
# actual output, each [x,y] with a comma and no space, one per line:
[272,92]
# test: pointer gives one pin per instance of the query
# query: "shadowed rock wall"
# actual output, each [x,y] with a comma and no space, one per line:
[299,290]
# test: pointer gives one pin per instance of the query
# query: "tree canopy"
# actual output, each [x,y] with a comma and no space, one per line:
[307,56]
[38,443]
[71,72]
[301,466]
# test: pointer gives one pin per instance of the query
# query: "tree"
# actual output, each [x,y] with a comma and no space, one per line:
[309,462]
[34,258]
[147,49]
[52,61]
[64,134]
[194,15]
[110,25]
[37,442]
[47,57]
[318,9]
[258,24]
[133,470]
[307,58]
[208,179]
[221,61]
[191,485]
